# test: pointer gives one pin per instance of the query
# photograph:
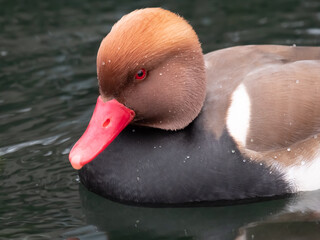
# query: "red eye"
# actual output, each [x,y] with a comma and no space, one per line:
[141,74]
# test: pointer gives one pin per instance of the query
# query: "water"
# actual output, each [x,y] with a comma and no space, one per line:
[48,89]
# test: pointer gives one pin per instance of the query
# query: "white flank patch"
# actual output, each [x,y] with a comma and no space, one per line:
[238,116]
[306,176]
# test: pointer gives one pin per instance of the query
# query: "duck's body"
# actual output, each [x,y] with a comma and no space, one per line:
[246,119]
[152,166]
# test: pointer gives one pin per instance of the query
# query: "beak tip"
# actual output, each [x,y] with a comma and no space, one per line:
[75,161]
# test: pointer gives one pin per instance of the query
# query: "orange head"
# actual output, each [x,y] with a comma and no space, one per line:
[167,48]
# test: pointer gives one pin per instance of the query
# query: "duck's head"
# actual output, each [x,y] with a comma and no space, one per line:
[151,72]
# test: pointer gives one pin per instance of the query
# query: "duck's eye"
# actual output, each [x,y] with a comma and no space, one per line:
[141,74]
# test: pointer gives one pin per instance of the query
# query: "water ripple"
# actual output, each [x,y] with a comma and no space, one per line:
[19,146]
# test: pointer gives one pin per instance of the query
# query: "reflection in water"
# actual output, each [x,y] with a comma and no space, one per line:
[298,216]
[277,219]
[300,219]
[48,89]
[121,221]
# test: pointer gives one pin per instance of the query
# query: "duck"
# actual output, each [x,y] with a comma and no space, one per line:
[175,126]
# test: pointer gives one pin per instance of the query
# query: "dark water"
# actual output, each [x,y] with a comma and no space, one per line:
[48,89]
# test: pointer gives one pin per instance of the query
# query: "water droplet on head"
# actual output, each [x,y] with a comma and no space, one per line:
[294,45]
[303,163]
[297,81]
[244,160]
[133,130]
[138,178]
[288,149]
[109,61]
[103,63]
[160,74]
[233,151]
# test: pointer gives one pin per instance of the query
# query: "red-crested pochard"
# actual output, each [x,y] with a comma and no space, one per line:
[234,124]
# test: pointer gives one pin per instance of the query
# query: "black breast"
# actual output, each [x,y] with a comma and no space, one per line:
[152,166]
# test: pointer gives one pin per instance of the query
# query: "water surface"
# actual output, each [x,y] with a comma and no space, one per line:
[48,89]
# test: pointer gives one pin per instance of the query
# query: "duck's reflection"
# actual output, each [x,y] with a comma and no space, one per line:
[299,219]
[291,218]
